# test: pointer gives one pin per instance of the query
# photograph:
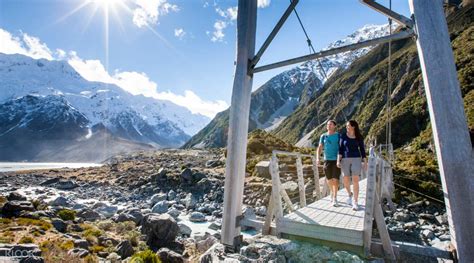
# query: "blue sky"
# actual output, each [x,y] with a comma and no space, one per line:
[178,50]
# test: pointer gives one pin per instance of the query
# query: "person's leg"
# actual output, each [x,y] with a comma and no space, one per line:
[355,185]
[334,175]
[357,168]
[327,173]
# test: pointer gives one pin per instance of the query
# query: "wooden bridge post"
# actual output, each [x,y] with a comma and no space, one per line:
[316,177]
[276,193]
[448,121]
[238,124]
[369,203]
[301,187]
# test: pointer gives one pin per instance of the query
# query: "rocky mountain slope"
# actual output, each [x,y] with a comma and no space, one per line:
[38,90]
[280,96]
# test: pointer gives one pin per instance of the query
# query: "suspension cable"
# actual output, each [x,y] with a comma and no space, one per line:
[419,193]
[310,44]
[389,85]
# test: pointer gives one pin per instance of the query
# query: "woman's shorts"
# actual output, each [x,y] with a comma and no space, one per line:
[331,170]
[351,166]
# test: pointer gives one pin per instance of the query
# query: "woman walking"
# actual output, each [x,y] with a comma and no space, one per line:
[350,158]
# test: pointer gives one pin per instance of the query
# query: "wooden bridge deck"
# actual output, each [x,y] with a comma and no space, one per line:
[321,221]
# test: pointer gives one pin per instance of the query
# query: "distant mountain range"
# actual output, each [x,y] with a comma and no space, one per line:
[278,98]
[45,101]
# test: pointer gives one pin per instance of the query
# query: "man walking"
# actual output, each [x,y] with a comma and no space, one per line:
[329,144]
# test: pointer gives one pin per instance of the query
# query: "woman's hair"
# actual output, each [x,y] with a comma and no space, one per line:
[333,122]
[354,124]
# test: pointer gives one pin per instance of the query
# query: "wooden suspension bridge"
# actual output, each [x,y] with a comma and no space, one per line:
[338,226]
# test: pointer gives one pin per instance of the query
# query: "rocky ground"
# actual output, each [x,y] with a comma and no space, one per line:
[166,205]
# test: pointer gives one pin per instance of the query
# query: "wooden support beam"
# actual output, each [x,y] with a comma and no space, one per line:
[397,36]
[276,184]
[272,35]
[316,177]
[393,15]
[238,123]
[448,122]
[287,199]
[382,228]
[301,186]
[269,216]
[369,204]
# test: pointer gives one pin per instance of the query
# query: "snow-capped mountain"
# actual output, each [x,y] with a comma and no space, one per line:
[138,118]
[281,95]
[342,60]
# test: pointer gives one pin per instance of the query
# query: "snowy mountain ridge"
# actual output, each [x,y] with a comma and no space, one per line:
[99,102]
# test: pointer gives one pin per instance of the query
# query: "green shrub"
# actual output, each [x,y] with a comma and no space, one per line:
[106,225]
[146,256]
[134,237]
[44,225]
[26,240]
[67,214]
[96,248]
[125,227]
[5,221]
[39,204]
[67,245]
[93,232]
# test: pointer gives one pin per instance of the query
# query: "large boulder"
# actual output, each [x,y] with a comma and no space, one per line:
[160,230]
[78,252]
[59,224]
[197,217]
[187,175]
[184,229]
[125,249]
[105,209]
[62,202]
[81,243]
[88,215]
[214,254]
[15,208]
[161,207]
[66,185]
[190,201]
[169,256]
[15,196]
[262,169]
[157,198]
[133,214]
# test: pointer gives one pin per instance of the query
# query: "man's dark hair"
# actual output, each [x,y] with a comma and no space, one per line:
[333,122]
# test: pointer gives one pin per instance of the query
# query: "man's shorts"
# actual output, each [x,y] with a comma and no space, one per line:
[351,166]
[331,170]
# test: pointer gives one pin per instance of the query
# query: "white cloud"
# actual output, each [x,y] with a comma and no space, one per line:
[194,103]
[26,45]
[139,83]
[60,54]
[218,34]
[232,13]
[179,33]
[147,12]
[221,12]
[263,3]
[93,70]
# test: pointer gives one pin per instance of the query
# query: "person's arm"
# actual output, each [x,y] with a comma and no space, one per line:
[341,151]
[320,149]
[362,153]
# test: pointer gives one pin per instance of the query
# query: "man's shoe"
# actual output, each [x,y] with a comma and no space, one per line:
[349,200]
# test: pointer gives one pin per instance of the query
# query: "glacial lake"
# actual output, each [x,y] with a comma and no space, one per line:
[19,166]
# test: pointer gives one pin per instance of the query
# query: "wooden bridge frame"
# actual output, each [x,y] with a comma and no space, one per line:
[448,120]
